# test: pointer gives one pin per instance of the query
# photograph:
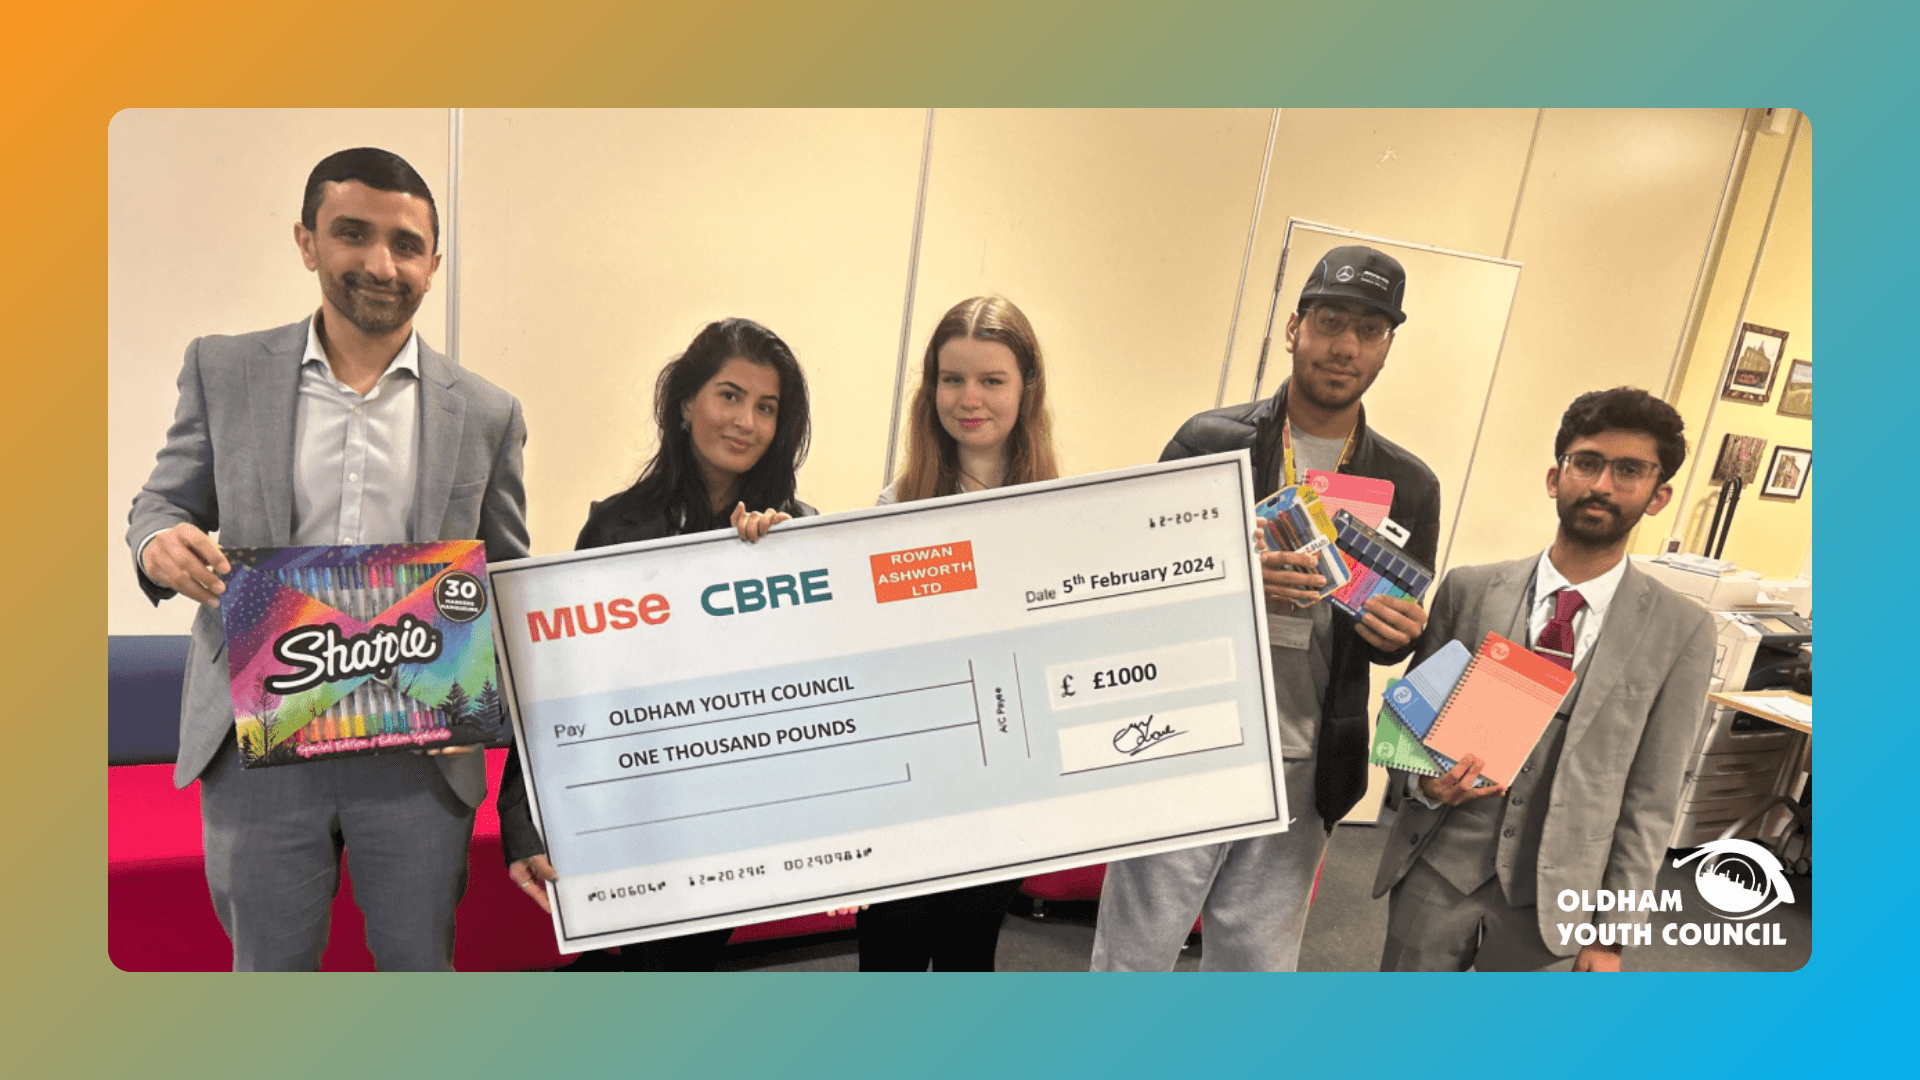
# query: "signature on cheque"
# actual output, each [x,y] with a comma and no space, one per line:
[1141,734]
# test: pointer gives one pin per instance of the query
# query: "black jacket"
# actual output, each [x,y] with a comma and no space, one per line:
[1340,772]
[622,519]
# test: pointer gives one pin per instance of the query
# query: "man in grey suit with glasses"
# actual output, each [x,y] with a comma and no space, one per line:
[343,428]
[1477,873]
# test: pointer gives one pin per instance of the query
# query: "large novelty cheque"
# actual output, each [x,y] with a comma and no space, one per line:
[894,701]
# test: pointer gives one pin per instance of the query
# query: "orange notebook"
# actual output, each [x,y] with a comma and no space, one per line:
[1503,703]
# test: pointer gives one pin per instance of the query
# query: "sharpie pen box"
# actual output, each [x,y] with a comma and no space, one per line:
[1295,520]
[363,649]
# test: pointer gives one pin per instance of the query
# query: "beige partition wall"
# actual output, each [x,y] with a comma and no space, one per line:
[1615,228]
[1448,178]
[599,242]
[201,206]
[1764,276]
[1120,233]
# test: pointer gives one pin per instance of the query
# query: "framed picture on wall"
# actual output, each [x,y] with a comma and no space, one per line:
[1739,457]
[1787,473]
[1756,357]
[1796,398]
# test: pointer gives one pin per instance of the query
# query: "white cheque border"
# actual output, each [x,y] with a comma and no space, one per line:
[1269,819]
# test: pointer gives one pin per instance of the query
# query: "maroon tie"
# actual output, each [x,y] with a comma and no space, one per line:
[1556,638]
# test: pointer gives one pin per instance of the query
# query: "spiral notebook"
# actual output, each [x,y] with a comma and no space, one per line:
[1503,703]
[1396,748]
[1418,698]
[1362,496]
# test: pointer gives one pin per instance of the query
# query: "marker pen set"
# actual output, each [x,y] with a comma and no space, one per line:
[369,648]
[1295,520]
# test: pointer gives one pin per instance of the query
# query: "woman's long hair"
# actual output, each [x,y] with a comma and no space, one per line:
[672,481]
[933,458]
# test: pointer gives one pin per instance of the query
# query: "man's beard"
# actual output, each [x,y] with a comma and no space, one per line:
[1304,386]
[349,297]
[1597,534]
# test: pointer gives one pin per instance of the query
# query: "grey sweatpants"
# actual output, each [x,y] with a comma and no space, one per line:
[1251,896]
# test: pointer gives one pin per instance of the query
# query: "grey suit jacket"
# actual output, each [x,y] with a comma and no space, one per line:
[1624,758]
[227,467]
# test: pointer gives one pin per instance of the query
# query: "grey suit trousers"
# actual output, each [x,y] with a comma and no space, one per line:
[1432,926]
[273,839]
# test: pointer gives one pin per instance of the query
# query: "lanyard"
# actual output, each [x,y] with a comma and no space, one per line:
[1289,474]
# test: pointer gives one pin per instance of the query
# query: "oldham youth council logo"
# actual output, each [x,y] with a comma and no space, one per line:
[1738,879]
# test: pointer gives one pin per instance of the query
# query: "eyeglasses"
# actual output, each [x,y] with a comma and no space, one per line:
[1332,322]
[1587,465]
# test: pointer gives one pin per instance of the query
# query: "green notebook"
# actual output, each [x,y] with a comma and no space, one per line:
[1396,748]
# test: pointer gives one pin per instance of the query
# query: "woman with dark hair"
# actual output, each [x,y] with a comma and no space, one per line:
[733,428]
[978,421]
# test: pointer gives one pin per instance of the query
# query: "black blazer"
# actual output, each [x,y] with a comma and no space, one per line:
[622,519]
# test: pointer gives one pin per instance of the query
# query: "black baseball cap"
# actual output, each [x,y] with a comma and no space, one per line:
[1359,273]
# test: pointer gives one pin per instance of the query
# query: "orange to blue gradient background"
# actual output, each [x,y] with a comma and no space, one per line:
[69,67]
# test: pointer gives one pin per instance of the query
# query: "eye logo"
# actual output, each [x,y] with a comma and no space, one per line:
[1737,877]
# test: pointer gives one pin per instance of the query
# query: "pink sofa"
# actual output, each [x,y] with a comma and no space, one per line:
[159,917]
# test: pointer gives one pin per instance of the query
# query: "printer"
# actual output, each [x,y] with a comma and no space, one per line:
[1763,630]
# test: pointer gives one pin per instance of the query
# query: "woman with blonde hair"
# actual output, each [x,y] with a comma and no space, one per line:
[979,421]
[980,418]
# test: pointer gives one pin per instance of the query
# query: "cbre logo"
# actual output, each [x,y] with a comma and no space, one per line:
[619,614]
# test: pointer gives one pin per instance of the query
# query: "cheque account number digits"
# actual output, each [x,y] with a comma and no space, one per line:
[1184,517]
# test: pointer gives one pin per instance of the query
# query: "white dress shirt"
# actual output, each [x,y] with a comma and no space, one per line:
[355,458]
[1597,592]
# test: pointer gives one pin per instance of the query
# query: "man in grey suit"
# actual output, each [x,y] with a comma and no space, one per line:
[1476,873]
[344,428]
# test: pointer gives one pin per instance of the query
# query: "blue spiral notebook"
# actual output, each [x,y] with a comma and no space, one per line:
[1418,698]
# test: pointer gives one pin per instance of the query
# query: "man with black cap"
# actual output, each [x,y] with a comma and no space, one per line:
[1252,895]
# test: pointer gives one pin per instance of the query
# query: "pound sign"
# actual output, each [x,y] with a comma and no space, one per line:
[1066,686]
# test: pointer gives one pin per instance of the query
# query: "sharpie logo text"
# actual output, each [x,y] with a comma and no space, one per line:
[321,655]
